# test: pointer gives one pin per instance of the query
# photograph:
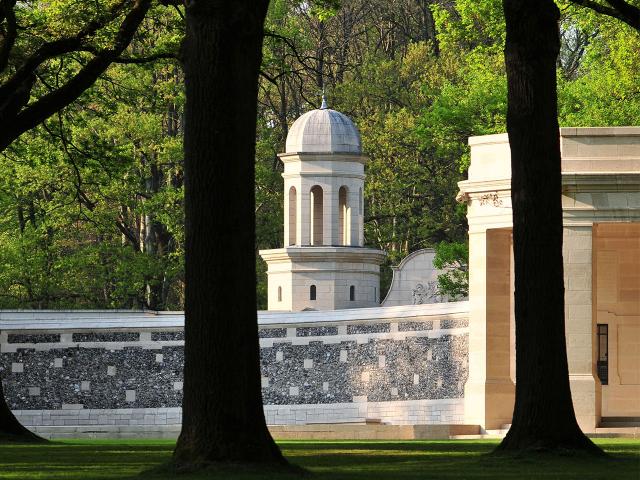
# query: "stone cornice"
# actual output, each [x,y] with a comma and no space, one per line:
[499,138]
[489,139]
[477,186]
[372,314]
[323,174]
[481,188]
[323,254]
[600,131]
[606,181]
[322,157]
[571,181]
[112,320]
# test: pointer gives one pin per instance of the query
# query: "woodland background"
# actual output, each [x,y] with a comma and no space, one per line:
[91,202]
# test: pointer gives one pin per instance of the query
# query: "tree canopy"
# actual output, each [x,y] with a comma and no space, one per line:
[91,199]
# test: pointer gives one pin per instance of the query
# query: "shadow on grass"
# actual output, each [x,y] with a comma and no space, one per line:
[451,459]
[347,460]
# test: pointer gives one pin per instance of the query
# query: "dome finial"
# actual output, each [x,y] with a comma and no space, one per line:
[324,101]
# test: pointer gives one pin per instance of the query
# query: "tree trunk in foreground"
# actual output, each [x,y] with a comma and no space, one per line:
[543,417]
[223,419]
[11,430]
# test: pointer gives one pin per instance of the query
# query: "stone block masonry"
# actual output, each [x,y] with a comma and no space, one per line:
[125,373]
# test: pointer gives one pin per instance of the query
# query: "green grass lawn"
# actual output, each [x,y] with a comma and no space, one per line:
[349,460]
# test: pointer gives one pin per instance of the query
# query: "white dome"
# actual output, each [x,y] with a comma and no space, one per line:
[323,131]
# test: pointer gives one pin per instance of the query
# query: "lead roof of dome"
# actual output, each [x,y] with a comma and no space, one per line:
[323,131]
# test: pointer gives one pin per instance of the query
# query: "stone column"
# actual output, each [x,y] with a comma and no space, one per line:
[304,213]
[329,213]
[489,391]
[354,222]
[288,225]
[361,215]
[579,326]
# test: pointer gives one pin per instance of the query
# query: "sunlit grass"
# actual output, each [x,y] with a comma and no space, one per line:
[348,460]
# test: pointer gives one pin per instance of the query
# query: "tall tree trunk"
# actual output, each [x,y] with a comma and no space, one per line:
[11,430]
[543,416]
[429,26]
[223,419]
[320,49]
[156,241]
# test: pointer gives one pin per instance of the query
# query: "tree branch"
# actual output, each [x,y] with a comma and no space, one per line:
[630,12]
[56,48]
[618,9]
[50,103]
[9,37]
[133,60]
[147,59]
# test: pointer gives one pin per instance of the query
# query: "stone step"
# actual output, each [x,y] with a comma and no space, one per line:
[622,432]
[616,432]
[619,422]
[497,431]
[481,436]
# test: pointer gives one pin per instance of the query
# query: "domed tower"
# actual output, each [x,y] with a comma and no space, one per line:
[324,265]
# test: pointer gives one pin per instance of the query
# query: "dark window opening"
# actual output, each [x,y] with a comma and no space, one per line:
[352,293]
[279,294]
[312,292]
[603,353]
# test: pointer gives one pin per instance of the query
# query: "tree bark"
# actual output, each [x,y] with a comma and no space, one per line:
[223,419]
[11,430]
[543,417]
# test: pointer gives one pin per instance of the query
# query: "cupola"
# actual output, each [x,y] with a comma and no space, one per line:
[323,130]
[324,265]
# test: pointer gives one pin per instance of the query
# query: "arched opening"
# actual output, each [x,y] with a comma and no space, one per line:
[312,292]
[352,293]
[316,215]
[344,214]
[293,198]
[279,294]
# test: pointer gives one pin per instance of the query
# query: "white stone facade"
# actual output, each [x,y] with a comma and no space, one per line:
[324,265]
[333,271]
[167,422]
[600,192]
[415,281]
[397,363]
[378,376]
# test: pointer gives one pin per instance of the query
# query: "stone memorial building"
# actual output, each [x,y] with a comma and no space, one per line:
[337,361]
[325,265]
[601,219]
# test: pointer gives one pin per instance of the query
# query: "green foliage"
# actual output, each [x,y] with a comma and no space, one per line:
[81,459]
[412,167]
[454,259]
[606,90]
[471,25]
[91,202]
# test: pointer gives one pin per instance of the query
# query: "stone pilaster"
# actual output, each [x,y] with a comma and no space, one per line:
[579,326]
